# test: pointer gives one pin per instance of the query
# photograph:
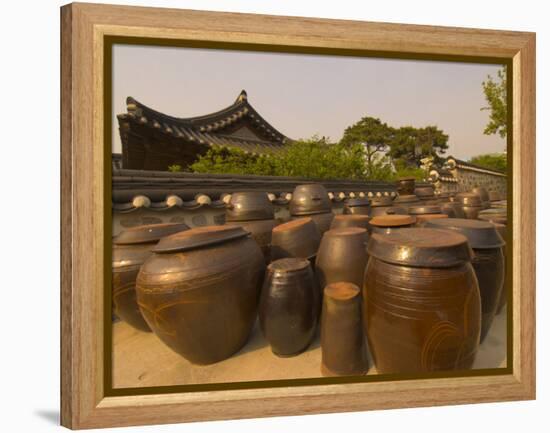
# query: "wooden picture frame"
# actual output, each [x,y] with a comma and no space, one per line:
[85,191]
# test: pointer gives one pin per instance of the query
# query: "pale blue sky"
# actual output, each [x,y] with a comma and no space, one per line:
[302,95]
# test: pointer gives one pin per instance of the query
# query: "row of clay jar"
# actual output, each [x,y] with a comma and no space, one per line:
[199,289]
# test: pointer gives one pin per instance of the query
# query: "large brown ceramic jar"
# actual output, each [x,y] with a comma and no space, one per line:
[496,215]
[289,306]
[405,185]
[453,209]
[260,230]
[310,199]
[297,238]
[421,302]
[471,204]
[387,223]
[384,206]
[343,221]
[502,231]
[343,349]
[426,212]
[425,193]
[130,249]
[321,220]
[248,206]
[356,206]
[483,195]
[199,292]
[488,262]
[406,201]
[342,256]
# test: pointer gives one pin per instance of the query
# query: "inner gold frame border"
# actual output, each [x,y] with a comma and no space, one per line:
[88,30]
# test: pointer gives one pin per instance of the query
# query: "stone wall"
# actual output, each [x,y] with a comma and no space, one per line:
[458,176]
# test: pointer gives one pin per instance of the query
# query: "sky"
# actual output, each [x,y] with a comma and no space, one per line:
[302,95]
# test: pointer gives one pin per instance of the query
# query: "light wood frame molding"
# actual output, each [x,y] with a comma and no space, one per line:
[83,400]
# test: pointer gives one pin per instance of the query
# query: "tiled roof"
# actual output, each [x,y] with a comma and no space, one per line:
[213,129]
[159,191]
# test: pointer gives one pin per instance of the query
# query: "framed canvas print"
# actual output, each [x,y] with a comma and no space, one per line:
[265,215]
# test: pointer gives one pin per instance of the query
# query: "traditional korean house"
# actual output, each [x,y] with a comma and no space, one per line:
[152,140]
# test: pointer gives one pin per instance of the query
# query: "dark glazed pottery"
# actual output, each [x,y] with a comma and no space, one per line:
[471,204]
[130,249]
[384,206]
[343,221]
[483,195]
[249,205]
[421,302]
[260,230]
[488,262]
[496,215]
[199,292]
[356,206]
[343,349]
[453,209]
[342,256]
[405,185]
[297,238]
[321,220]
[310,199]
[425,193]
[422,219]
[406,201]
[289,306]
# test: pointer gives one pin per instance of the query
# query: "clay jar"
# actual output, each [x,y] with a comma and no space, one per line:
[421,301]
[356,206]
[497,215]
[248,206]
[387,223]
[253,211]
[297,238]
[260,230]
[342,256]
[425,193]
[343,221]
[289,306]
[200,289]
[406,201]
[483,195]
[130,249]
[405,185]
[426,212]
[453,209]
[488,262]
[471,204]
[343,348]
[384,206]
[311,198]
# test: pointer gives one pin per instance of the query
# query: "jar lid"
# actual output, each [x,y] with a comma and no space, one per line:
[480,234]
[424,191]
[424,209]
[392,220]
[148,233]
[422,247]
[384,200]
[289,264]
[199,237]
[468,199]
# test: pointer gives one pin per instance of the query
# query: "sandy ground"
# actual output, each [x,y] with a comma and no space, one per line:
[141,360]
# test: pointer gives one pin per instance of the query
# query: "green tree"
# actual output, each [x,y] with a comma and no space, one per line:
[224,160]
[495,95]
[313,158]
[318,158]
[493,161]
[371,133]
[410,144]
